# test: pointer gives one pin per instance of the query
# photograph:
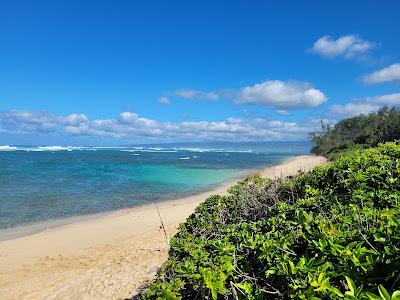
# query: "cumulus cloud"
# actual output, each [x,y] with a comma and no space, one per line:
[282,95]
[131,126]
[191,94]
[365,105]
[164,100]
[391,73]
[41,121]
[74,119]
[347,46]
[354,108]
[276,94]
[134,119]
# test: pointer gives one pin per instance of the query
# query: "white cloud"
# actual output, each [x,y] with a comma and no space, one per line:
[276,94]
[130,126]
[41,121]
[283,112]
[74,119]
[354,108]
[164,100]
[365,105]
[391,73]
[347,46]
[191,94]
[282,95]
[133,119]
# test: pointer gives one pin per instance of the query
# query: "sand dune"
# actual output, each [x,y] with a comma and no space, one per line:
[106,257]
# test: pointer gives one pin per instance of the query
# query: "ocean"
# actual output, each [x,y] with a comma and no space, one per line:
[44,183]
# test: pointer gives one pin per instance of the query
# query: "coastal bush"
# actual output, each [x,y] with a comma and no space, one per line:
[333,233]
[361,131]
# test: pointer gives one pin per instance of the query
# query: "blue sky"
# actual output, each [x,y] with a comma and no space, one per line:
[110,72]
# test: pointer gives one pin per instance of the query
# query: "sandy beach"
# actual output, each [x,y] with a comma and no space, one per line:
[110,256]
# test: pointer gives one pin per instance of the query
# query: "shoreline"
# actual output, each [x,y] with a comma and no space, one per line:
[34,228]
[38,227]
[110,256]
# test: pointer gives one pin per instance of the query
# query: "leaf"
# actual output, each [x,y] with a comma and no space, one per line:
[383,292]
[396,295]
[246,287]
[292,267]
[335,291]
[350,284]
[168,295]
[372,296]
[321,277]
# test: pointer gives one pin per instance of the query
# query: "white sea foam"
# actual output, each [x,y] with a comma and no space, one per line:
[57,148]
[109,147]
[42,148]
[7,148]
[150,151]
[120,148]
[200,150]
[184,158]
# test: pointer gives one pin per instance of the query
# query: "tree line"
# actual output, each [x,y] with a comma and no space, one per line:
[361,131]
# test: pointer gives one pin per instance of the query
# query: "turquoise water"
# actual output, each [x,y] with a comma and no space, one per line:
[39,184]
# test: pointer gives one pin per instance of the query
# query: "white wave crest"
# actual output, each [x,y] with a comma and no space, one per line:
[7,148]
[56,148]
[42,148]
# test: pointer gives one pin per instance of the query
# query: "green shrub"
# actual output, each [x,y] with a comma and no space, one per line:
[333,233]
[357,132]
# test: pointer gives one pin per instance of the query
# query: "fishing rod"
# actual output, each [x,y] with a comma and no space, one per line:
[155,204]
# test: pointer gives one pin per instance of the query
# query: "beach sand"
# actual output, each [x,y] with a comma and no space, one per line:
[110,256]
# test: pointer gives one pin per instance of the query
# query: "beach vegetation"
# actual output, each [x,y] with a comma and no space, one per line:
[361,131]
[332,233]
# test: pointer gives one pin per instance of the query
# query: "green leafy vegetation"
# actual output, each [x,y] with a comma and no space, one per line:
[333,233]
[362,131]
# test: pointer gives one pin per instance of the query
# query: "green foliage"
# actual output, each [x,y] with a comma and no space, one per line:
[333,233]
[357,132]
